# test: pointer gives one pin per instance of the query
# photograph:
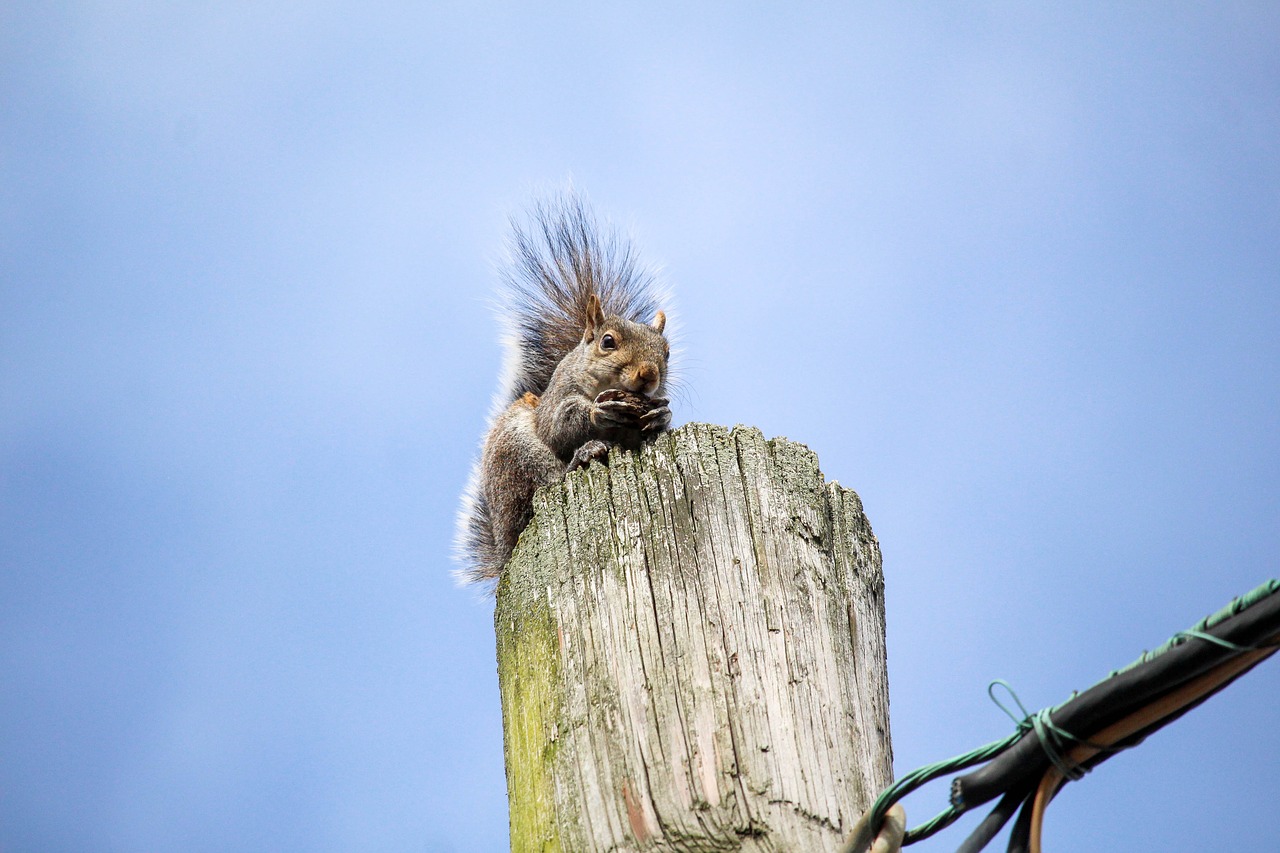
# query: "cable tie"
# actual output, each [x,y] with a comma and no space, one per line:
[1193,634]
[1020,722]
[1053,738]
[1053,742]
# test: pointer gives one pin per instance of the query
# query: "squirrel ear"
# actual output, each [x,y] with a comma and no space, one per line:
[659,321]
[595,318]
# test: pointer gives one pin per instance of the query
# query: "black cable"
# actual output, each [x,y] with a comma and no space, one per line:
[991,825]
[1116,698]
[1020,835]
[1139,736]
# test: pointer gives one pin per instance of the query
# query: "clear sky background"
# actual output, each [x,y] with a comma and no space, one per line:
[1011,270]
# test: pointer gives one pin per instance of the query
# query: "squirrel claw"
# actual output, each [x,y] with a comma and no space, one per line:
[656,420]
[584,455]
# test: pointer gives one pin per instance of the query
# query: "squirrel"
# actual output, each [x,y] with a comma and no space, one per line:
[587,370]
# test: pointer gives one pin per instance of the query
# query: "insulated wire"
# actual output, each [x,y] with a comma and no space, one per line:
[1136,722]
[992,823]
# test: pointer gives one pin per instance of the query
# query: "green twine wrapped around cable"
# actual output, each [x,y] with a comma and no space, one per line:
[1249,623]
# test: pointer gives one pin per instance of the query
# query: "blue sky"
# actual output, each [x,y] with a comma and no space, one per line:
[1011,270]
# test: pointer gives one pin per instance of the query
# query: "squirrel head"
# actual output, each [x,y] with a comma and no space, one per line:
[624,354]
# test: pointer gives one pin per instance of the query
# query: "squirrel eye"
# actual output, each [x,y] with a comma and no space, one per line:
[607,342]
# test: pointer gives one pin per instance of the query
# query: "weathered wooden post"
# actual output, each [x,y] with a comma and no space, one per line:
[691,654]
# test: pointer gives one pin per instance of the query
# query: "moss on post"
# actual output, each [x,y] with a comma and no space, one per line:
[528,658]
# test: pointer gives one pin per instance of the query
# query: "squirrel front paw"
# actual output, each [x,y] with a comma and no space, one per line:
[616,409]
[587,453]
[656,419]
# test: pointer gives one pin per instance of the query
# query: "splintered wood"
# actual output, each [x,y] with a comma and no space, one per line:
[691,654]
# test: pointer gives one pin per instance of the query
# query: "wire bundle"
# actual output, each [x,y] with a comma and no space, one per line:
[1027,769]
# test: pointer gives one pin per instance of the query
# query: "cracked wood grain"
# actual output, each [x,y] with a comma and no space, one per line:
[691,654]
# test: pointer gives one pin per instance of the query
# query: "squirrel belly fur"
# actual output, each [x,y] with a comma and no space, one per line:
[587,370]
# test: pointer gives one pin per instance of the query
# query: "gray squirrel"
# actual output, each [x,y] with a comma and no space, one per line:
[586,371]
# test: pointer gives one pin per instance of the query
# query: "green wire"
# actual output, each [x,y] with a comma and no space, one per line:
[1198,630]
[928,773]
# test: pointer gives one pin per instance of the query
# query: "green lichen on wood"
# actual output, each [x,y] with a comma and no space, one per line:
[528,677]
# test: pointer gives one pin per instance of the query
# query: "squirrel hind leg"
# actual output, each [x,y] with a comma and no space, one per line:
[589,452]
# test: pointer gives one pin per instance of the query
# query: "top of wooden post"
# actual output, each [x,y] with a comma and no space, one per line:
[691,653]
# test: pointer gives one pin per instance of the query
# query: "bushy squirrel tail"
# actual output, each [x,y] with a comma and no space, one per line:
[557,260]
[474,544]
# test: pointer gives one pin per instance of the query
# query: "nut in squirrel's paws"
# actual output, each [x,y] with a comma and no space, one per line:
[634,399]
[618,408]
[626,408]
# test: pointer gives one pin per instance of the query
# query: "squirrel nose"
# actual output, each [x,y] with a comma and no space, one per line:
[645,378]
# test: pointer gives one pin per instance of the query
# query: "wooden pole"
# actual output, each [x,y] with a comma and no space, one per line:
[691,654]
